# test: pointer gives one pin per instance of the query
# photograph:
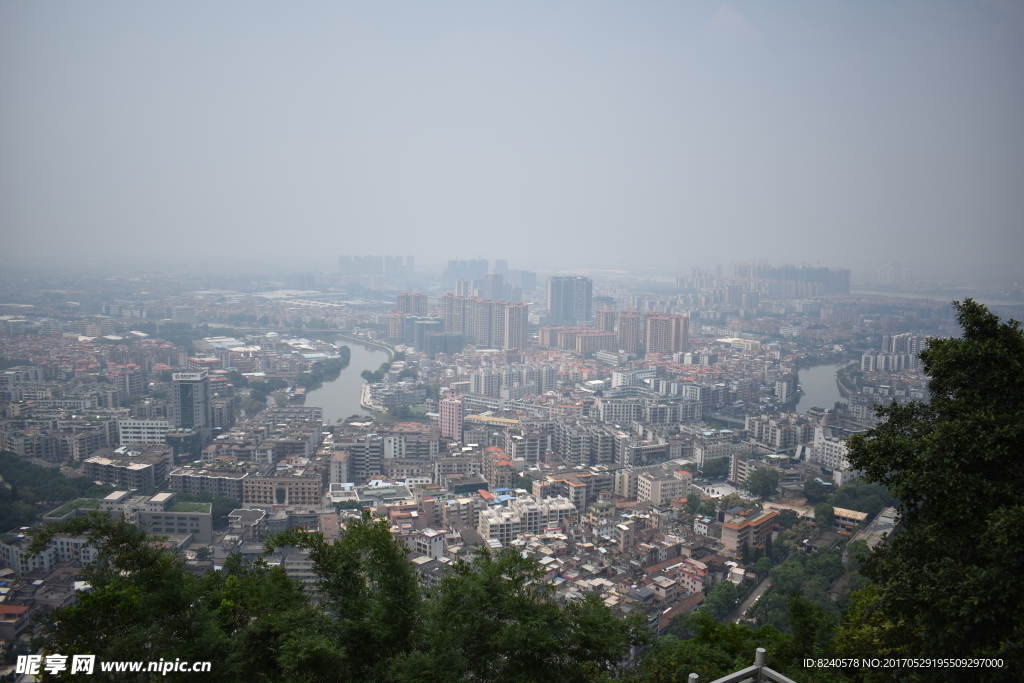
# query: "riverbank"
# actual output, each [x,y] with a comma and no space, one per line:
[368,342]
[845,390]
[340,397]
[819,386]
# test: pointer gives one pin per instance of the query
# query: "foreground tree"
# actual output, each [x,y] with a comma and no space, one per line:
[250,619]
[950,577]
[492,619]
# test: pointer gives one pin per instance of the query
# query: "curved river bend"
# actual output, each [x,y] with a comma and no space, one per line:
[819,386]
[340,397]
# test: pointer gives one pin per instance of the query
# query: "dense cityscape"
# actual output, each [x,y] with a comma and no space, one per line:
[511,342]
[670,447]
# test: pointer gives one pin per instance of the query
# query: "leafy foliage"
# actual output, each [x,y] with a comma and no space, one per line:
[492,619]
[145,605]
[32,485]
[815,492]
[824,517]
[762,482]
[862,497]
[721,600]
[376,376]
[712,469]
[715,650]
[955,465]
[325,370]
[402,412]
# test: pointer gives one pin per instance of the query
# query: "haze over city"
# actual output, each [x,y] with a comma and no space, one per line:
[560,135]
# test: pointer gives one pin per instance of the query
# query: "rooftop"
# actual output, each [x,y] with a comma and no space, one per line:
[191,507]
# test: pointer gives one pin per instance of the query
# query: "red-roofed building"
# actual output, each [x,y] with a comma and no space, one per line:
[497,469]
[14,619]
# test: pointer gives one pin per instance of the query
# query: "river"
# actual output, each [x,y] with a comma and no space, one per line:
[340,397]
[819,387]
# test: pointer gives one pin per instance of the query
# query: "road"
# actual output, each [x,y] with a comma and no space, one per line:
[749,601]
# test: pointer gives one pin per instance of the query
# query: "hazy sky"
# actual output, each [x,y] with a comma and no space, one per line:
[572,134]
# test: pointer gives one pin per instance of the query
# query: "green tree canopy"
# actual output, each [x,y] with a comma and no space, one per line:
[762,481]
[815,491]
[721,600]
[951,574]
[719,467]
[824,517]
[706,508]
[490,619]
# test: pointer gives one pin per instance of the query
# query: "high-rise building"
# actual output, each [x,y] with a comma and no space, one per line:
[396,326]
[631,331]
[485,322]
[570,299]
[128,379]
[464,270]
[517,318]
[191,402]
[451,412]
[666,333]
[490,286]
[416,304]
[606,320]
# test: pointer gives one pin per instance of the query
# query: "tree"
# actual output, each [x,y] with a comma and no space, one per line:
[493,619]
[788,518]
[402,412]
[370,590]
[730,501]
[824,517]
[721,600]
[857,553]
[252,619]
[762,481]
[712,469]
[955,465]
[715,649]
[815,491]
[813,627]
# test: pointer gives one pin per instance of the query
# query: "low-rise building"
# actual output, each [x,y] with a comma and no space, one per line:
[144,471]
[751,530]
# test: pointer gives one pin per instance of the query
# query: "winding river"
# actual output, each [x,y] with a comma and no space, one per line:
[819,387]
[340,397]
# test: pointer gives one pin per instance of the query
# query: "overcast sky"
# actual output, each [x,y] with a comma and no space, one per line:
[566,134]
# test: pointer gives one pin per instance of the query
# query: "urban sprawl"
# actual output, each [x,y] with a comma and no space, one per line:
[612,429]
